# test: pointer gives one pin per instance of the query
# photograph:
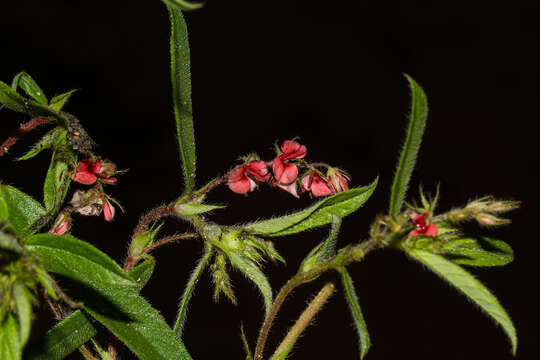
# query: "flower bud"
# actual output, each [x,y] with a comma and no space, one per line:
[62,224]
[490,220]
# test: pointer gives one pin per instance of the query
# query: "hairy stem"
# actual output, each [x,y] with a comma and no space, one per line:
[305,319]
[25,128]
[157,213]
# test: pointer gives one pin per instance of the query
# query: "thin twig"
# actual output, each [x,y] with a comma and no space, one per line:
[169,239]
[25,128]
[157,213]
[305,319]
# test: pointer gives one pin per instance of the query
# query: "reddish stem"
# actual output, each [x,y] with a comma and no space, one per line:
[25,128]
[159,212]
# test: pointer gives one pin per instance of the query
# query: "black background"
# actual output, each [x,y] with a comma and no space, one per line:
[332,75]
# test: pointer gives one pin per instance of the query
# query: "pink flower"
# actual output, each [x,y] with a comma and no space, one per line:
[316,184]
[241,183]
[284,172]
[419,221]
[89,171]
[61,225]
[338,179]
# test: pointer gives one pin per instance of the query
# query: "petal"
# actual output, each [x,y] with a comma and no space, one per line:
[86,178]
[431,230]
[320,187]
[252,185]
[419,220]
[291,188]
[86,165]
[239,182]
[284,172]
[258,169]
[307,181]
[110,180]
[108,211]
[292,150]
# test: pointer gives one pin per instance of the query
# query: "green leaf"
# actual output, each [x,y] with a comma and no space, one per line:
[13,101]
[10,346]
[183,5]
[78,328]
[471,287]
[181,317]
[249,356]
[181,89]
[58,176]
[9,244]
[341,205]
[189,209]
[24,311]
[324,251]
[76,259]
[23,210]
[46,142]
[4,210]
[29,86]
[63,339]
[108,297]
[141,273]
[58,102]
[478,251]
[407,160]
[252,272]
[356,312]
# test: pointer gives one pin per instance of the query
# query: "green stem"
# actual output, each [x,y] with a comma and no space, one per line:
[305,319]
[188,292]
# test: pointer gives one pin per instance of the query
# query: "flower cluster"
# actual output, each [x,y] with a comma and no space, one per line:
[285,173]
[92,202]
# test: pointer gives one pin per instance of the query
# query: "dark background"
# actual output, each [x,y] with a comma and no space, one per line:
[331,74]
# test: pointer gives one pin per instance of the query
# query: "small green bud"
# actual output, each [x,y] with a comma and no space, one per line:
[143,240]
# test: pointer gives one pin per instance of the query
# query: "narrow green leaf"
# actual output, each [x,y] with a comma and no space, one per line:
[356,312]
[181,89]
[10,346]
[23,210]
[58,102]
[29,86]
[471,287]
[181,317]
[407,160]
[24,311]
[183,5]
[249,356]
[341,205]
[109,298]
[71,257]
[4,210]
[46,142]
[252,272]
[58,177]
[195,209]
[63,339]
[141,273]
[478,251]
[325,250]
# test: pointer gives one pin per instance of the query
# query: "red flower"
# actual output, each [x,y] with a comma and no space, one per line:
[92,204]
[316,184]
[284,172]
[241,183]
[88,172]
[419,221]
[338,179]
